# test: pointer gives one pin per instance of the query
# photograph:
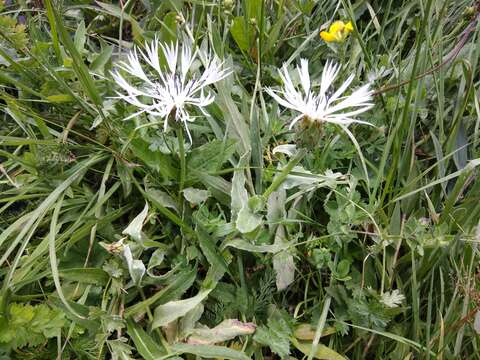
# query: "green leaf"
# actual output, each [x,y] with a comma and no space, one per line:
[147,347]
[211,252]
[136,268]
[247,221]
[80,37]
[284,267]
[134,229]
[94,276]
[60,98]
[210,351]
[78,65]
[157,161]
[210,157]
[166,313]
[116,11]
[276,335]
[244,245]
[195,196]
[239,33]
[181,282]
[279,343]
[30,325]
[101,60]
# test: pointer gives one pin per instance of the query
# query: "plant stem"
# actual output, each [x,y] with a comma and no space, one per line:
[320,327]
[181,154]
[277,181]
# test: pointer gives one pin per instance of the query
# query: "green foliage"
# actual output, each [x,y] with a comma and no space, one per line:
[13,34]
[276,334]
[27,325]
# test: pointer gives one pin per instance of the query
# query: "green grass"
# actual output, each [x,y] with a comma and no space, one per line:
[399,211]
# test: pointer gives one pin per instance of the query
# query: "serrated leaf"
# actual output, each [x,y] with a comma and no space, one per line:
[278,343]
[209,157]
[157,161]
[276,335]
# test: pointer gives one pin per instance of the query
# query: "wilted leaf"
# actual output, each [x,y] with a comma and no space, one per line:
[476,322]
[187,323]
[226,330]
[323,352]
[307,332]
[210,351]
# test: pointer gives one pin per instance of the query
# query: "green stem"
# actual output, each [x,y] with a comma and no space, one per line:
[181,154]
[286,170]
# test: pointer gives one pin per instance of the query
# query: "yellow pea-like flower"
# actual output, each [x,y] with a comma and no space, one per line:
[337,32]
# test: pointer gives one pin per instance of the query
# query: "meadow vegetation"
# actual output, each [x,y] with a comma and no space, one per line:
[157,208]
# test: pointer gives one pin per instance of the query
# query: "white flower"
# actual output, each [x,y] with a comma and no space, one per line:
[168,92]
[322,106]
[392,299]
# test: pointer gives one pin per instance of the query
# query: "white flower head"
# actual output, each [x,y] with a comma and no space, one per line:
[168,92]
[324,105]
[392,299]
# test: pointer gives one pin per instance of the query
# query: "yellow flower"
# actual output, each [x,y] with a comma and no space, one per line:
[337,32]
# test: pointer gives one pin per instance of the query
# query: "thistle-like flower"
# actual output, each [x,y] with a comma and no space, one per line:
[324,105]
[168,92]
